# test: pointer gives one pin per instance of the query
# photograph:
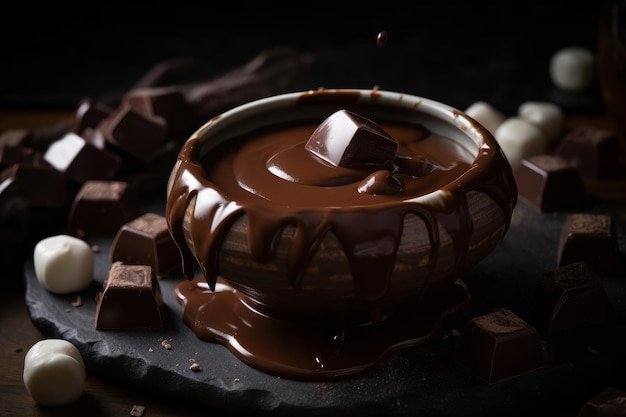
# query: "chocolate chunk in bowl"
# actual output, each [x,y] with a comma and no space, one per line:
[303,275]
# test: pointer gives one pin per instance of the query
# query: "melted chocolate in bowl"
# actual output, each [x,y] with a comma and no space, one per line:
[318,272]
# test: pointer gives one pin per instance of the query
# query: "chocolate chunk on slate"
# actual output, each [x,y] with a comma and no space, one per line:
[347,139]
[499,346]
[135,133]
[571,296]
[590,238]
[146,240]
[80,160]
[595,152]
[102,207]
[610,402]
[548,183]
[131,299]
[34,185]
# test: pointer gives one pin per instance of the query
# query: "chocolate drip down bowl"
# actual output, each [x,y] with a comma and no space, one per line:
[313,267]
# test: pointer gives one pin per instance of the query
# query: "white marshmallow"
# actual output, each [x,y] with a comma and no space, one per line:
[54,372]
[485,114]
[520,139]
[572,68]
[545,115]
[63,264]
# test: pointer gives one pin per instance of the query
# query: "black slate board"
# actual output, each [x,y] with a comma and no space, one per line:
[422,382]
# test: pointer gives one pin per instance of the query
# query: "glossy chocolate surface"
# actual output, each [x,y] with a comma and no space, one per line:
[270,180]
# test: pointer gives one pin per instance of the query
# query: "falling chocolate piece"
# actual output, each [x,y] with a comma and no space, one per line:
[131,299]
[146,240]
[590,238]
[499,346]
[594,152]
[609,403]
[346,139]
[548,183]
[571,296]
[80,160]
[102,207]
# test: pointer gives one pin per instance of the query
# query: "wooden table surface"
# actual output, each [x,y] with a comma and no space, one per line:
[102,396]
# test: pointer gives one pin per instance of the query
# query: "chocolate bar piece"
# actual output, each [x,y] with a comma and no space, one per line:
[102,207]
[166,102]
[347,139]
[571,296]
[499,346]
[36,185]
[131,299]
[88,115]
[80,160]
[146,240]
[15,154]
[137,134]
[610,402]
[548,183]
[590,238]
[594,152]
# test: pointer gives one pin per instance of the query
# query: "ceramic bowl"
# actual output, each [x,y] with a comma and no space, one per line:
[443,232]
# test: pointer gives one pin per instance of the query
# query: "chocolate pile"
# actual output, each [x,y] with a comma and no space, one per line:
[130,142]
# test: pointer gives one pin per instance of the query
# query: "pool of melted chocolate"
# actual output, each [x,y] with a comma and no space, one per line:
[317,272]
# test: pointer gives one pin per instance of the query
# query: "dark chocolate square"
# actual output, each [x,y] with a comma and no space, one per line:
[571,296]
[590,238]
[548,183]
[146,240]
[499,346]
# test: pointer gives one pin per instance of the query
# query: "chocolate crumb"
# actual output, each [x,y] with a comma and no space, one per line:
[194,367]
[78,301]
[137,411]
[18,350]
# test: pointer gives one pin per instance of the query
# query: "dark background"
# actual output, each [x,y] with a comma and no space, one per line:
[456,52]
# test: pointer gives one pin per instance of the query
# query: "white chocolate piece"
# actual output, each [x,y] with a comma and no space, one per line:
[54,372]
[545,115]
[572,68]
[485,114]
[63,264]
[520,139]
